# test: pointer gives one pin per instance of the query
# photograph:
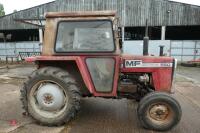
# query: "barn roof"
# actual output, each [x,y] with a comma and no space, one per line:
[132,12]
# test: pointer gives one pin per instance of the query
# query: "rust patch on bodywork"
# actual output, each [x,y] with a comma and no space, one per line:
[80,14]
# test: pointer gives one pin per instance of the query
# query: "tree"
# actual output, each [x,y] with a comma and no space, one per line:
[2,12]
[14,11]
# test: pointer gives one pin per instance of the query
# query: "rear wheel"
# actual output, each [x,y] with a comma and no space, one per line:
[51,96]
[159,111]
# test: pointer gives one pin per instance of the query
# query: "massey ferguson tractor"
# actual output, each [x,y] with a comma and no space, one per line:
[81,57]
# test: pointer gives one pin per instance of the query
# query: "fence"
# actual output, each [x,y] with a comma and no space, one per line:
[13,48]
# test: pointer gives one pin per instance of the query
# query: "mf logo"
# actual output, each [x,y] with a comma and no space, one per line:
[133,63]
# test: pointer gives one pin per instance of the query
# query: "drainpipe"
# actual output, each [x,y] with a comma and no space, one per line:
[124,23]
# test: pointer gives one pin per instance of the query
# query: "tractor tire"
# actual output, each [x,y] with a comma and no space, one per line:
[159,111]
[51,96]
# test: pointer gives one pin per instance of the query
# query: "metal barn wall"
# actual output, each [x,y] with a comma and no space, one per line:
[158,12]
[161,12]
[91,5]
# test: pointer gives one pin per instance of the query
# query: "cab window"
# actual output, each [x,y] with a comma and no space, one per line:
[85,36]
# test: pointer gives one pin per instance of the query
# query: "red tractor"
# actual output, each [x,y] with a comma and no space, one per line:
[81,57]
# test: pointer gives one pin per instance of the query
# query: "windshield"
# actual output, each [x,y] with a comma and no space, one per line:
[89,36]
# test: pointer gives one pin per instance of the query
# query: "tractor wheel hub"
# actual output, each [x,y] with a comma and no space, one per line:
[50,97]
[159,112]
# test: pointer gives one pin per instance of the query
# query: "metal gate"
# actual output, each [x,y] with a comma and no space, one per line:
[185,50]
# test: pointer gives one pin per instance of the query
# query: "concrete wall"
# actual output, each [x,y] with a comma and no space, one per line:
[13,49]
[182,50]
[136,47]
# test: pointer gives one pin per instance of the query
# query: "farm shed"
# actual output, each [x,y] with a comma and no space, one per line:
[175,25]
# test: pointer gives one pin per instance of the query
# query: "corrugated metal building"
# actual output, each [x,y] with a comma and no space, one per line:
[167,20]
[158,12]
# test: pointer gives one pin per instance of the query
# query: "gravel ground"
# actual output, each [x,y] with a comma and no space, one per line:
[189,72]
[97,115]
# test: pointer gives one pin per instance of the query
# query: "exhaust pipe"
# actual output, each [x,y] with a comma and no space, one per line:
[146,41]
[161,50]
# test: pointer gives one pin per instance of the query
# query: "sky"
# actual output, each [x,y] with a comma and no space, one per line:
[194,2]
[11,5]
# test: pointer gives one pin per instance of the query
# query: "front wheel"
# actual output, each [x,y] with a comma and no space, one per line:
[159,111]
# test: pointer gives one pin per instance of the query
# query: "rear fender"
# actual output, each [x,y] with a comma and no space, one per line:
[43,61]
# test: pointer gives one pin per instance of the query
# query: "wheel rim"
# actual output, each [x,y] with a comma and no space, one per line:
[48,98]
[160,113]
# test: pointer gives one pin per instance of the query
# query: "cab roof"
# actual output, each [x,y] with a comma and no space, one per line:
[80,14]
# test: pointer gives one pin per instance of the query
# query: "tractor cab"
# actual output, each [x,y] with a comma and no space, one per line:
[80,33]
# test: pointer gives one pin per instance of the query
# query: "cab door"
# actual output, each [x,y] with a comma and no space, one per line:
[104,73]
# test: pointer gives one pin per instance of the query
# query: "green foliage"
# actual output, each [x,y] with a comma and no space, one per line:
[2,12]
[14,11]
